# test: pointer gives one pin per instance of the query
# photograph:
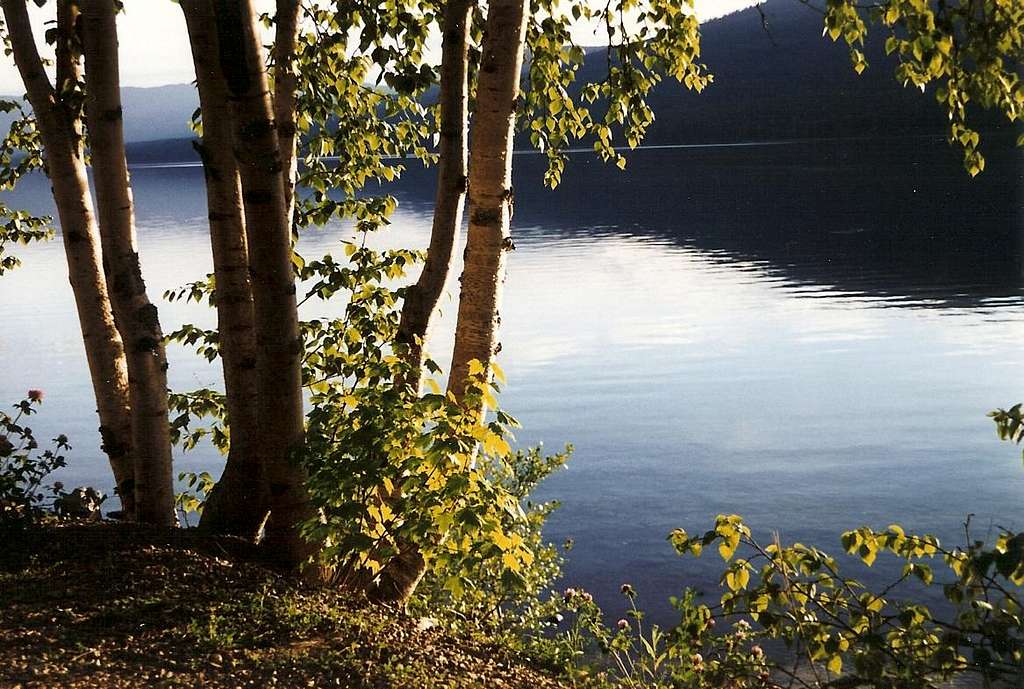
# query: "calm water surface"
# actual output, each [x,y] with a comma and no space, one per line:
[805,334]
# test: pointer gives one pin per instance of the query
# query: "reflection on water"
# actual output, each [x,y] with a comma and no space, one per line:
[808,335]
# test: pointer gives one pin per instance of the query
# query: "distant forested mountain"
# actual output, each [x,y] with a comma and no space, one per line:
[163,112]
[785,81]
[150,113]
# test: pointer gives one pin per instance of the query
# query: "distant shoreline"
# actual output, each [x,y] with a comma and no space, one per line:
[148,150]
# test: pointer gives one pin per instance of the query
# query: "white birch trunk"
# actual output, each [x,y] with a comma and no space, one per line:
[286,34]
[279,345]
[136,317]
[490,192]
[238,503]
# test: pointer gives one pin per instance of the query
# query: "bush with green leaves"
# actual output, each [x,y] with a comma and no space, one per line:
[192,498]
[390,466]
[515,607]
[23,467]
[835,631]
[836,627]
[20,155]
[387,467]
[635,654]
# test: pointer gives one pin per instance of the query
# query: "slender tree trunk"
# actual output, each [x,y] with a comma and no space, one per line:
[279,345]
[400,576]
[286,36]
[136,317]
[60,129]
[490,192]
[238,503]
[422,298]
[490,212]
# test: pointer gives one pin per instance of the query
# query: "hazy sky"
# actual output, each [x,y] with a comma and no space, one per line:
[154,45]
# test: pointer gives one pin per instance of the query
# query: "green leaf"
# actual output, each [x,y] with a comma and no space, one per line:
[835,664]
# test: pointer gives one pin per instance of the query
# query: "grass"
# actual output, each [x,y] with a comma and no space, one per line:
[111,605]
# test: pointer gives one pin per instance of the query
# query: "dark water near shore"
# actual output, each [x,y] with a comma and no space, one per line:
[808,334]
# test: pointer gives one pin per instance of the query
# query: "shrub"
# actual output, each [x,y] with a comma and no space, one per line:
[23,467]
[834,630]
[390,467]
[517,608]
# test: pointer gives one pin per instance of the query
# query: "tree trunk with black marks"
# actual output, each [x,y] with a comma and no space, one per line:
[60,129]
[238,503]
[400,576]
[422,298]
[490,193]
[286,35]
[136,317]
[279,345]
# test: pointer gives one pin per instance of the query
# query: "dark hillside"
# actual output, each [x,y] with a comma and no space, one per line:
[787,83]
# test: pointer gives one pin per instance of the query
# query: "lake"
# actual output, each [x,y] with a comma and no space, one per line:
[805,333]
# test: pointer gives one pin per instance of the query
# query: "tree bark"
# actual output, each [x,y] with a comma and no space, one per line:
[60,129]
[400,576]
[279,345]
[238,503]
[286,36]
[136,317]
[490,193]
[421,299]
